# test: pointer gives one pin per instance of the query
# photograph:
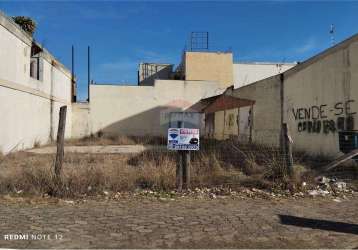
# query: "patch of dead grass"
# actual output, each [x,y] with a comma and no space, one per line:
[225,164]
[102,140]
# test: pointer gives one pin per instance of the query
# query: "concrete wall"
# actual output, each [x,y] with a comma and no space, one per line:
[319,95]
[210,66]
[142,110]
[317,98]
[149,72]
[81,126]
[246,73]
[266,113]
[29,107]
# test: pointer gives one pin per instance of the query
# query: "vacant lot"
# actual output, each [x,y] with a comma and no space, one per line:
[90,169]
[126,200]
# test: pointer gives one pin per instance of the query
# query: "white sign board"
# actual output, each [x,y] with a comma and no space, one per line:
[183,139]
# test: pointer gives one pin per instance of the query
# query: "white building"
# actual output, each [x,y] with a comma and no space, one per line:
[249,72]
[33,86]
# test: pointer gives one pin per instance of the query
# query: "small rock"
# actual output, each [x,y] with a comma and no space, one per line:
[69,202]
[322,180]
[341,185]
[313,193]
[299,194]
[337,200]
[212,196]
[318,192]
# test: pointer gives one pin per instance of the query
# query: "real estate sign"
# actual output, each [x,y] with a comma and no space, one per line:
[183,139]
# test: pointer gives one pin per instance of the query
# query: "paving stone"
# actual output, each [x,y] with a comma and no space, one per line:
[168,236]
[81,222]
[186,223]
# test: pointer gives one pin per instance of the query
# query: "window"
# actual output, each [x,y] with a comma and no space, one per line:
[36,62]
[35,68]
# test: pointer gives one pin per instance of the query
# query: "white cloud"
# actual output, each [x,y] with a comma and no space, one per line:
[309,45]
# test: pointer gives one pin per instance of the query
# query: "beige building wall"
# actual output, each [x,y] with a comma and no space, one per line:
[323,91]
[149,72]
[142,110]
[266,113]
[210,66]
[246,73]
[29,107]
[319,99]
[226,124]
[81,126]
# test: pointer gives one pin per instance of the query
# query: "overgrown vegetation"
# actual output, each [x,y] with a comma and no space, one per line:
[99,139]
[224,163]
[26,23]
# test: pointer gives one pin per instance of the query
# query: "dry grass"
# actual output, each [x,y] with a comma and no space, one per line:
[216,164]
[83,174]
[99,139]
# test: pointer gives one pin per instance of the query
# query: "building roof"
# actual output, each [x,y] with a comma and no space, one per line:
[300,66]
[265,63]
[222,102]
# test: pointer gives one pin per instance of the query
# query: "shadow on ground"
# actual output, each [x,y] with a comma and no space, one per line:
[340,227]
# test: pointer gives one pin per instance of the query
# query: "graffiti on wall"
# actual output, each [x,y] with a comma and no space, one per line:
[315,119]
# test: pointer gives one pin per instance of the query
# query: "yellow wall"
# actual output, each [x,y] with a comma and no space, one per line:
[210,66]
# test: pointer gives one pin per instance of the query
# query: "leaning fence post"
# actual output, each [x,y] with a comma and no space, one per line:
[287,148]
[60,141]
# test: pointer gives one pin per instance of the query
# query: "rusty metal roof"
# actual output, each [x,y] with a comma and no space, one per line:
[223,102]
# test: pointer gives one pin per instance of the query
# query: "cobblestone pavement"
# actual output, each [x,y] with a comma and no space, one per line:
[183,223]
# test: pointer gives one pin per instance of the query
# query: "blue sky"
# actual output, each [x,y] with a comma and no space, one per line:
[122,34]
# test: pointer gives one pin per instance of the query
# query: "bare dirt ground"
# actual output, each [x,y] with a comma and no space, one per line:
[182,223]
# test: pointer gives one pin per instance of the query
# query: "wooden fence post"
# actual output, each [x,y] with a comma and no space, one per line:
[186,169]
[183,170]
[60,141]
[287,148]
[179,171]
